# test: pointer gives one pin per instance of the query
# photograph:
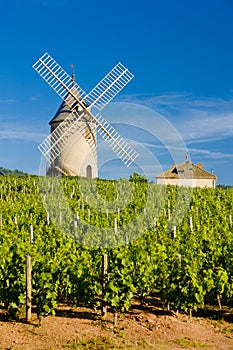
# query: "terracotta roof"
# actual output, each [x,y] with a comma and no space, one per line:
[186,170]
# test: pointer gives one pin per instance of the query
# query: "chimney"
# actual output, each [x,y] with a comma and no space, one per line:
[199,165]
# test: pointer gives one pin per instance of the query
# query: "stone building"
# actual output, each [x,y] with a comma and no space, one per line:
[187,174]
[79,155]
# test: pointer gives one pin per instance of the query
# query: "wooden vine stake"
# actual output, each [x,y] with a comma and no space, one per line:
[169,214]
[191,223]
[219,302]
[104,283]
[174,231]
[28,289]
[115,226]
[0,220]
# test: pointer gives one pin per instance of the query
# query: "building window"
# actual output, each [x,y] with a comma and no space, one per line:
[89,172]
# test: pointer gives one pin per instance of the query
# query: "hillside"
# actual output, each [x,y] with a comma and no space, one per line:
[5,171]
[158,257]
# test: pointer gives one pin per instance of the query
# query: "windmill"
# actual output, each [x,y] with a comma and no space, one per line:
[71,148]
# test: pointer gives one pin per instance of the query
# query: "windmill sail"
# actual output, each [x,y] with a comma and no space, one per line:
[109,87]
[58,79]
[78,102]
[115,141]
[52,146]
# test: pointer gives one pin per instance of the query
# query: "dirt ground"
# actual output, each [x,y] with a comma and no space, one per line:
[139,328]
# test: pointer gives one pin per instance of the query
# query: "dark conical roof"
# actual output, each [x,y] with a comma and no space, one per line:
[65,110]
[62,113]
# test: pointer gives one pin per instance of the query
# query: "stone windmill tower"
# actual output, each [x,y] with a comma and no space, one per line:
[71,148]
[79,155]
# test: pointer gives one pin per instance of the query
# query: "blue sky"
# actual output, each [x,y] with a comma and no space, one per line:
[181,53]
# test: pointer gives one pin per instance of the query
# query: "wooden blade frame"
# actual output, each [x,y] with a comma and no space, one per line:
[76,99]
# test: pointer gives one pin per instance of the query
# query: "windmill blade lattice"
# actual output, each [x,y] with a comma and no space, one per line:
[75,97]
[109,87]
[58,79]
[52,146]
[115,141]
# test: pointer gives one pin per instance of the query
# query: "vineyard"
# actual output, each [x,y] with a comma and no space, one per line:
[175,243]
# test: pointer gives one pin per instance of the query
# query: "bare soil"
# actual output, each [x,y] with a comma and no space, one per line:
[139,328]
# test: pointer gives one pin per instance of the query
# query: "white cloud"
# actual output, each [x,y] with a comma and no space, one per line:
[210,154]
[195,118]
[206,152]
[21,135]
[206,125]
[178,99]
[7,101]
[201,122]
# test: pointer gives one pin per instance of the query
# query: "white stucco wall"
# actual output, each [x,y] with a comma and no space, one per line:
[78,155]
[187,182]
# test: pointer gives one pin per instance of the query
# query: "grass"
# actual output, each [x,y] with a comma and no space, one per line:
[91,343]
[102,343]
[228,329]
[223,326]
[189,343]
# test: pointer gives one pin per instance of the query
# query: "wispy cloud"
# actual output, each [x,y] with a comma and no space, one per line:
[178,99]
[7,101]
[205,124]
[211,154]
[191,149]
[21,135]
[194,117]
